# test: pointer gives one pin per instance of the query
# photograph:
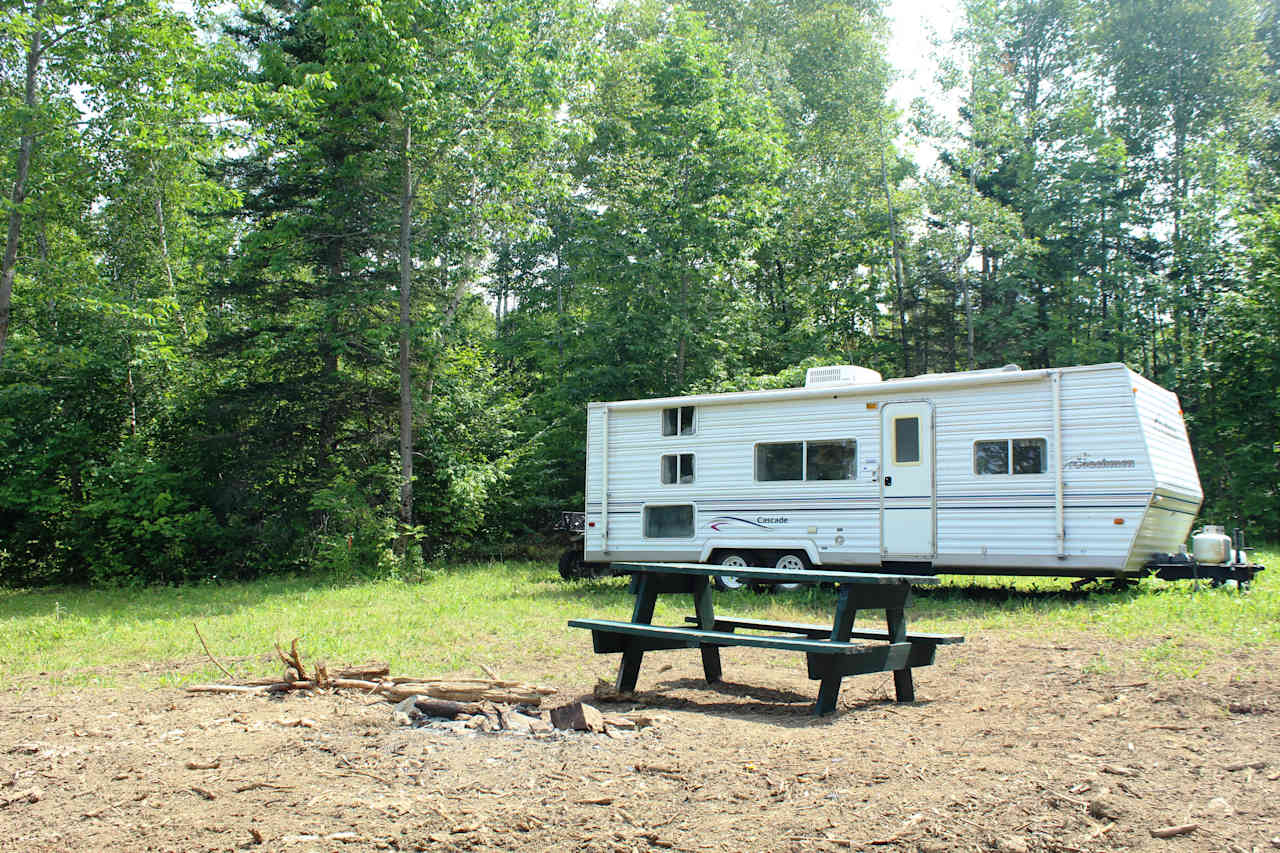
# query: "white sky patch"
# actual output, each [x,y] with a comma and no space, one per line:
[917,25]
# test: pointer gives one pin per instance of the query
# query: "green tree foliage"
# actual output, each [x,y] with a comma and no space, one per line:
[1117,137]
[104,94]
[723,220]
[351,101]
[292,285]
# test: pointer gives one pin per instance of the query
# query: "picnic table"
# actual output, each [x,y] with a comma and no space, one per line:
[832,651]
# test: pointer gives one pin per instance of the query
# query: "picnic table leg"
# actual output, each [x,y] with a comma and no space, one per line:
[903,687]
[646,590]
[829,691]
[706,622]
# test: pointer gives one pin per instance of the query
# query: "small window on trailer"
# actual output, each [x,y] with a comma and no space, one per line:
[1010,456]
[677,468]
[668,522]
[678,421]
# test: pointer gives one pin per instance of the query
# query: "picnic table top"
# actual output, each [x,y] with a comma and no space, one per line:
[771,574]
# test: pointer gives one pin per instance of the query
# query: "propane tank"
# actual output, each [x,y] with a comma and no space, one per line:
[1211,545]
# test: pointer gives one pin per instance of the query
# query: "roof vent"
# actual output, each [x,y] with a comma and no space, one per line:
[840,374]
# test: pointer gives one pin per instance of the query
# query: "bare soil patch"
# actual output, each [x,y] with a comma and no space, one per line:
[1014,746]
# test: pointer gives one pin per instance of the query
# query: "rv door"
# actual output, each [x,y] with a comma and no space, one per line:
[907,522]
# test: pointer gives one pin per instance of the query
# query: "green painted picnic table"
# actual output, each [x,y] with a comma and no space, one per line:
[832,651]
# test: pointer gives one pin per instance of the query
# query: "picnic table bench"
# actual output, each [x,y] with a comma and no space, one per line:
[832,651]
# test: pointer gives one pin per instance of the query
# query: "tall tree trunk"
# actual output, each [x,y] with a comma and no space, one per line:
[684,325]
[897,264]
[9,266]
[465,275]
[406,388]
[133,348]
[163,238]
[968,252]
[560,320]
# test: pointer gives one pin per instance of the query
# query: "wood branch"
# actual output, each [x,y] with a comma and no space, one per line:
[460,690]
[275,687]
[374,678]
[292,660]
[357,684]
[30,795]
[447,708]
[371,671]
[471,682]
[209,653]
[507,693]
[1171,831]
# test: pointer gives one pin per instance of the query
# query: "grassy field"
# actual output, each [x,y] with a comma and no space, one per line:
[512,616]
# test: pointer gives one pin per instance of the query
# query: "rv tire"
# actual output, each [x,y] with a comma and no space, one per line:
[571,565]
[793,561]
[731,558]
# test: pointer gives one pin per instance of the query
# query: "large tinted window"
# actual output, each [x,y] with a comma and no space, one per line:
[1005,456]
[831,460]
[668,522]
[782,461]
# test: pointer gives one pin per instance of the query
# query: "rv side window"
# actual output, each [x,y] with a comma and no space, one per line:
[783,461]
[678,421]
[991,457]
[677,468]
[835,459]
[831,460]
[1026,454]
[668,522]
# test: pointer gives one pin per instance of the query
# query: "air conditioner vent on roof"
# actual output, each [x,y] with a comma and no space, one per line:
[841,374]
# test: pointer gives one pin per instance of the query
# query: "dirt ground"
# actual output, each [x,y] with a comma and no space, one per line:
[1013,746]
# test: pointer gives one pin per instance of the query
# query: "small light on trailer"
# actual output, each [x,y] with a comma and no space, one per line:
[591,524]
[873,405]
[1117,521]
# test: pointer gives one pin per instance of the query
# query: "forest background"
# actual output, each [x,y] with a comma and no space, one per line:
[326,285]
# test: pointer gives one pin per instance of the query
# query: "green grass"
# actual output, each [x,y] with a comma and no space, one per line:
[512,616]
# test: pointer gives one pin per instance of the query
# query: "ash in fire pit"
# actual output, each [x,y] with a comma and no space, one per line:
[529,720]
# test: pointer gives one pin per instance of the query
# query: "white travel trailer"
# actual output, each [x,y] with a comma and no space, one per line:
[1076,471]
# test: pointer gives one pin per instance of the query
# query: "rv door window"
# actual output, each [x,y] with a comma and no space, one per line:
[906,440]
[668,522]
[783,461]
[831,460]
[993,457]
[677,468]
[678,421]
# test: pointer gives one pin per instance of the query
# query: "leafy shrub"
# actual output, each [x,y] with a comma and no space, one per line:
[140,524]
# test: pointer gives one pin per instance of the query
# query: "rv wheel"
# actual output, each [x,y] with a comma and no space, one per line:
[571,566]
[727,582]
[792,561]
